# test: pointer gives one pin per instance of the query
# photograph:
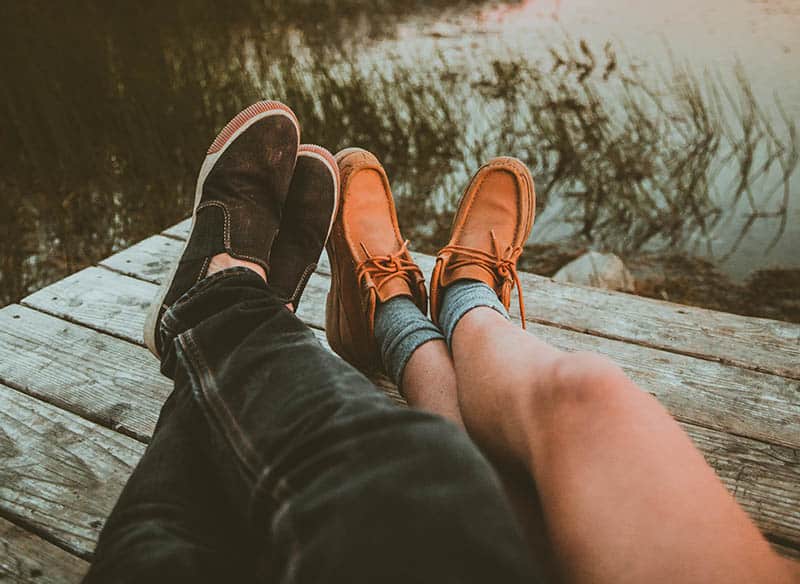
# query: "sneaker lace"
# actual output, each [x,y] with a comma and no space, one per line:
[376,271]
[501,264]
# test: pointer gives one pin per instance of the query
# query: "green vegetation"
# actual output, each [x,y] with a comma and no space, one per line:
[108,110]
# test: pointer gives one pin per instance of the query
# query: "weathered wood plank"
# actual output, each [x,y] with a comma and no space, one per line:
[755,343]
[28,559]
[103,300]
[180,230]
[730,455]
[759,344]
[98,298]
[762,477]
[731,399]
[651,374]
[149,260]
[59,473]
[95,376]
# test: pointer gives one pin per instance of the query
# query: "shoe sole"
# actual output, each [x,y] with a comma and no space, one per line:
[232,130]
[325,157]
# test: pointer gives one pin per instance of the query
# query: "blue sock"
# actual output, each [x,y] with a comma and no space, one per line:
[462,296]
[400,329]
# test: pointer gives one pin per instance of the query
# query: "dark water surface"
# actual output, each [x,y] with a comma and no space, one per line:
[651,133]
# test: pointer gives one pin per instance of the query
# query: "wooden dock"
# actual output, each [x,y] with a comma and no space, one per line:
[80,395]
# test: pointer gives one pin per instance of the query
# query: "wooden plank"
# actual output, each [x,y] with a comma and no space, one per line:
[149,260]
[98,298]
[759,344]
[95,376]
[312,310]
[743,402]
[27,559]
[59,473]
[180,230]
[762,475]
[757,405]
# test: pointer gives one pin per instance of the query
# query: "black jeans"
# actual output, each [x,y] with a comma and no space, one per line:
[273,460]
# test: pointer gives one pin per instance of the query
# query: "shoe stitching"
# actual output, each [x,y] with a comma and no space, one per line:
[203,269]
[227,233]
[301,284]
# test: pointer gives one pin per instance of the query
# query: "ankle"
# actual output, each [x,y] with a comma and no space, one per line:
[462,298]
[223,261]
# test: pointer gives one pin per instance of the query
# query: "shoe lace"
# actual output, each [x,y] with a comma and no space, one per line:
[377,271]
[501,263]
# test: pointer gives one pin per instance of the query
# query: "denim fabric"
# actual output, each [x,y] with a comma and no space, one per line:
[401,329]
[274,461]
[462,296]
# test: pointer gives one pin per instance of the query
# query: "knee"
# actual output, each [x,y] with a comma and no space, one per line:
[577,380]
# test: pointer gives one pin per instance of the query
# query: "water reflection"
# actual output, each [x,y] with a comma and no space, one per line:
[108,110]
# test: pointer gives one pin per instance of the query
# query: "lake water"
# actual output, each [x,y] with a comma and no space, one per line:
[650,127]
[715,37]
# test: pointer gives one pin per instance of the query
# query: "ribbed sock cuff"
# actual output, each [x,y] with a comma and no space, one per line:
[401,329]
[462,296]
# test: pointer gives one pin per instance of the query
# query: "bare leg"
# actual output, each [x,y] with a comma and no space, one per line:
[626,496]
[224,261]
[429,383]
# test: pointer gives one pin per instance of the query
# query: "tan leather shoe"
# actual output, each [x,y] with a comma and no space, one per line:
[492,223]
[370,262]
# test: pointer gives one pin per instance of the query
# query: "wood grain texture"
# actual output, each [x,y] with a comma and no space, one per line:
[754,343]
[149,260]
[59,473]
[99,298]
[707,393]
[96,376]
[727,398]
[28,559]
[762,476]
[746,423]
[180,230]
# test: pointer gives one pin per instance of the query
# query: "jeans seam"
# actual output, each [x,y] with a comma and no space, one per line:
[216,410]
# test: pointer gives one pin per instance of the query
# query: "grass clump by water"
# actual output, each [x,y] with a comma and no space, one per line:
[108,122]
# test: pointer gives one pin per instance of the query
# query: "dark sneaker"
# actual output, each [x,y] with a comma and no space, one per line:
[307,221]
[370,262]
[239,199]
[490,228]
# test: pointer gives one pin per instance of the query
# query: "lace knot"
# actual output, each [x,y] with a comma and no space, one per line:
[502,264]
[374,272]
